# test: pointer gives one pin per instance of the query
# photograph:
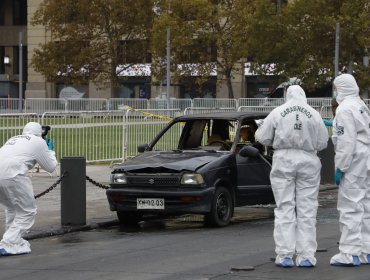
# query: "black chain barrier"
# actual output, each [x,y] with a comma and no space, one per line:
[60,180]
[52,186]
[96,183]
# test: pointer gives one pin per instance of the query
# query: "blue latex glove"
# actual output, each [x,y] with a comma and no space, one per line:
[328,123]
[338,176]
[50,144]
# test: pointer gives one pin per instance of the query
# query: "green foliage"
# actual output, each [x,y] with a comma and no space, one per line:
[301,39]
[197,28]
[86,38]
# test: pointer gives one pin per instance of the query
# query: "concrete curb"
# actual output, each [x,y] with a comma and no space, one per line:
[42,233]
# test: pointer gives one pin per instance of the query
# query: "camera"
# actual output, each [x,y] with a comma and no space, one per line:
[45,130]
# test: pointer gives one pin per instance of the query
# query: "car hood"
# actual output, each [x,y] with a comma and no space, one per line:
[168,161]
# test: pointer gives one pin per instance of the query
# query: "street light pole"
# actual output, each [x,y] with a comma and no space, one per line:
[366,64]
[336,62]
[278,8]
[168,68]
[20,102]
[366,58]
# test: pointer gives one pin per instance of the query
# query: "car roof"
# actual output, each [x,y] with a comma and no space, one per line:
[223,115]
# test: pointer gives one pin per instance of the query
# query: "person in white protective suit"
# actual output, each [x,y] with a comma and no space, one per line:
[351,139]
[18,155]
[296,132]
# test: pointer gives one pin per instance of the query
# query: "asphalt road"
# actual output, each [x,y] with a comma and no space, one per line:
[180,249]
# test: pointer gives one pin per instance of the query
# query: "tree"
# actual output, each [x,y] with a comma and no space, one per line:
[89,39]
[300,40]
[197,28]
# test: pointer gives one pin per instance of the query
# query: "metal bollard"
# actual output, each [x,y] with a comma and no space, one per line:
[327,161]
[73,191]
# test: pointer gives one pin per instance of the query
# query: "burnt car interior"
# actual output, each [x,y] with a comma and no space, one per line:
[198,134]
[220,135]
[192,134]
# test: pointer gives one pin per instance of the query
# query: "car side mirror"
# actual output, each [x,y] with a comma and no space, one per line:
[142,148]
[249,151]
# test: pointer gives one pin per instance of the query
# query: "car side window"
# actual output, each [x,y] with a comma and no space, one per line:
[247,135]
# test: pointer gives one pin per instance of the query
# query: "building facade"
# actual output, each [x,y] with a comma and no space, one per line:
[13,34]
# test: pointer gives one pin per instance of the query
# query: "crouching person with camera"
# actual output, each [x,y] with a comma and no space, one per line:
[18,155]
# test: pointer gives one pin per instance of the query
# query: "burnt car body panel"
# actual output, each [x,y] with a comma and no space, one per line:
[253,186]
[158,174]
[171,160]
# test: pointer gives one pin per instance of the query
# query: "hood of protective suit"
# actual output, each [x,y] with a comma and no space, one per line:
[295,92]
[33,128]
[345,85]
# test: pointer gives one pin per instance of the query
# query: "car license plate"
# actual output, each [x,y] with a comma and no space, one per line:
[150,203]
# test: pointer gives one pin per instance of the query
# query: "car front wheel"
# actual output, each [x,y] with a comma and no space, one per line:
[222,208]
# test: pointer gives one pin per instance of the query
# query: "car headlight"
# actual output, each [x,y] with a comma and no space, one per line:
[119,178]
[192,179]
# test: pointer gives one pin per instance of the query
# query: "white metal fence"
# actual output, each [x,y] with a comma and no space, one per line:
[121,103]
[218,103]
[96,135]
[200,110]
[115,134]
[12,124]
[259,109]
[42,105]
[11,105]
[260,102]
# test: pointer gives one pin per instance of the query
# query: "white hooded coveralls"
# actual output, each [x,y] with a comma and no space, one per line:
[351,139]
[18,155]
[296,131]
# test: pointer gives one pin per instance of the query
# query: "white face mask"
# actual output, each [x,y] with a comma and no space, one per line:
[338,98]
[335,94]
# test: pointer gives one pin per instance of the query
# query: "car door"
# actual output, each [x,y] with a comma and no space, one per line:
[253,181]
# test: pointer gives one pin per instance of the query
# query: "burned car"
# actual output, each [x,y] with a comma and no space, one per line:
[198,164]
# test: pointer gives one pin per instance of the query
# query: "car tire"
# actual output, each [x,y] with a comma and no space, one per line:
[222,208]
[128,218]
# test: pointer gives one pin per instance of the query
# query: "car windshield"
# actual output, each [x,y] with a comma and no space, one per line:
[207,134]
